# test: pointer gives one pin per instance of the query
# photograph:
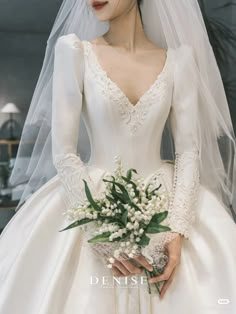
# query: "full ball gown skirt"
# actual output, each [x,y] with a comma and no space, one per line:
[44,271]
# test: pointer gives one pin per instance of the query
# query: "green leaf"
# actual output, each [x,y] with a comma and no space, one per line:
[124,236]
[137,193]
[124,217]
[156,189]
[112,220]
[129,173]
[156,228]
[90,198]
[144,240]
[158,218]
[122,188]
[104,237]
[146,190]
[123,197]
[135,206]
[77,223]
[113,180]
[121,207]
[112,200]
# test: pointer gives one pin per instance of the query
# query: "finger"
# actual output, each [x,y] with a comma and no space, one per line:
[167,284]
[116,272]
[143,262]
[117,264]
[131,267]
[172,262]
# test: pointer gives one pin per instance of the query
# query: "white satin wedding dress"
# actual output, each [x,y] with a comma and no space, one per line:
[44,271]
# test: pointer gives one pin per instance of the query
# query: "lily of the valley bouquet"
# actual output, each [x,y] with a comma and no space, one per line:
[124,217]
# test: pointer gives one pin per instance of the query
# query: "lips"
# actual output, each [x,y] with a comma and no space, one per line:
[99,4]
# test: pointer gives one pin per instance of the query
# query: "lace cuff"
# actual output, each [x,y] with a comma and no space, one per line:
[71,171]
[185,190]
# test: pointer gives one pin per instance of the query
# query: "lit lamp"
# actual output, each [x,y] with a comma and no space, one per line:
[10,108]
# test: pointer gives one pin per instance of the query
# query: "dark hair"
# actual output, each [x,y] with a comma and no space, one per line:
[139,3]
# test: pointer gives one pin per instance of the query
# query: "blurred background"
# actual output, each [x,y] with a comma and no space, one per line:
[24,29]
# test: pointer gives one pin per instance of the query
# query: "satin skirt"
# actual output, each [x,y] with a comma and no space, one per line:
[44,271]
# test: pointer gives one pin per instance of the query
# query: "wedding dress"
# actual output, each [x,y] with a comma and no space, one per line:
[52,272]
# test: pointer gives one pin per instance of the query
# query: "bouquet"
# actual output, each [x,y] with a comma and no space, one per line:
[124,216]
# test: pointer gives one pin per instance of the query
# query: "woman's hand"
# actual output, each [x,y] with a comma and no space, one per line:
[173,249]
[122,267]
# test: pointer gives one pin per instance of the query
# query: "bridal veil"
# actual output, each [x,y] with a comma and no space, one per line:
[167,23]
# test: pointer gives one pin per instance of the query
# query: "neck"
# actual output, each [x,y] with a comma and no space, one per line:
[126,30]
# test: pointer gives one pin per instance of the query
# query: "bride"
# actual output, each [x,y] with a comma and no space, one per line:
[135,79]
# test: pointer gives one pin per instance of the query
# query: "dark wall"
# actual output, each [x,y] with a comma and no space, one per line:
[224,11]
[24,29]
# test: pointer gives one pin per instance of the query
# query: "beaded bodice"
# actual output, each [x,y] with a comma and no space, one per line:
[146,119]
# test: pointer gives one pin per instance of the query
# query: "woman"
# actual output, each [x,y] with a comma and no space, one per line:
[128,89]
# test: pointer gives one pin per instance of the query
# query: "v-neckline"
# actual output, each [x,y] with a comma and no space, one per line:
[116,86]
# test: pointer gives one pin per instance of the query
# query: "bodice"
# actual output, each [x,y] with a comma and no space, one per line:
[115,126]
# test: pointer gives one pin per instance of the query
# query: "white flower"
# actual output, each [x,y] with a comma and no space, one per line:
[117,253]
[137,239]
[129,226]
[109,265]
[111,260]
[82,215]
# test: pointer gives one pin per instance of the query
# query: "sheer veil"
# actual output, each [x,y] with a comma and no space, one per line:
[167,23]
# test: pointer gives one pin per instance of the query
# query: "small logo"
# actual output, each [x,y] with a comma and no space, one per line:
[223,301]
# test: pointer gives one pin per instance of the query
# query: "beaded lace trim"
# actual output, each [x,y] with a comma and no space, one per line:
[71,170]
[185,190]
[132,115]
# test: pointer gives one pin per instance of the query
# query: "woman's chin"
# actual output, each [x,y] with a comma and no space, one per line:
[103,17]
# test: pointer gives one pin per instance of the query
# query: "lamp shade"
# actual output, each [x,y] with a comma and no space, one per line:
[10,108]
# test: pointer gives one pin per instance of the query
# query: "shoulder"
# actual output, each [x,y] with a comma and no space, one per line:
[183,52]
[71,41]
[184,59]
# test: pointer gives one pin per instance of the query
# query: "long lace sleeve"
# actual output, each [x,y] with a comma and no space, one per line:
[183,118]
[66,111]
